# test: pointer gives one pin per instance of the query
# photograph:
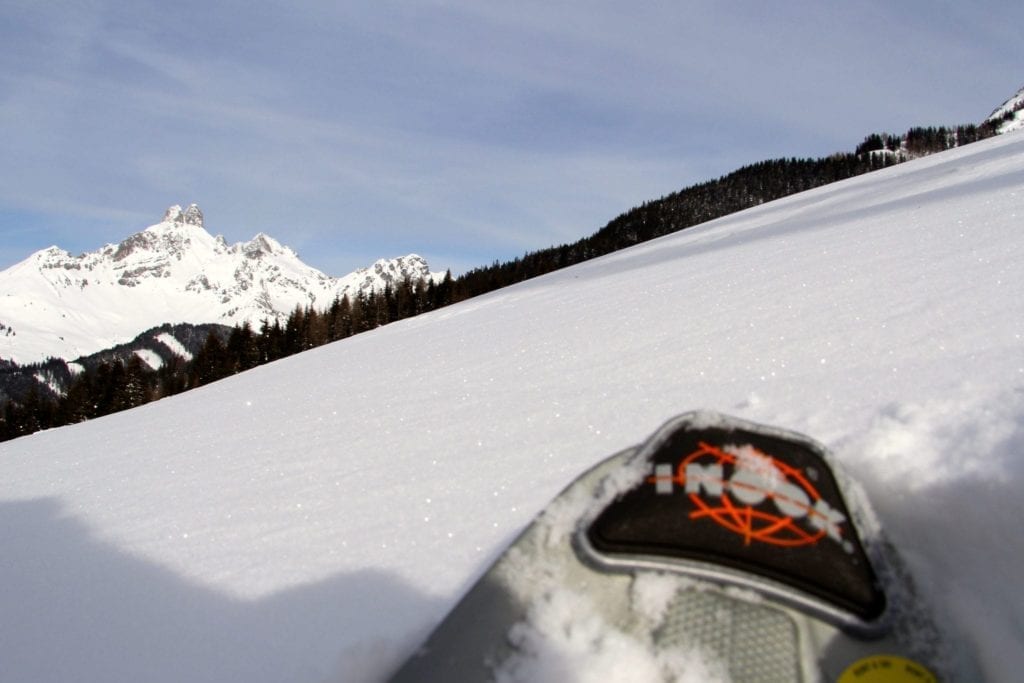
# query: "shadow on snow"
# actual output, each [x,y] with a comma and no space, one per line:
[76,608]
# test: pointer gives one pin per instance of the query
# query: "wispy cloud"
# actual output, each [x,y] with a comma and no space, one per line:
[450,127]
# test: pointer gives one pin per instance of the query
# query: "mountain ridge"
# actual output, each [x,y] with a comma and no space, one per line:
[1009,116]
[58,305]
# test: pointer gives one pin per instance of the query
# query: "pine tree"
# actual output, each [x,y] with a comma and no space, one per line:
[242,348]
[211,363]
[133,389]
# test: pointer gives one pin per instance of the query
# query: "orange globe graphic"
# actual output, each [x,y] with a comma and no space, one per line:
[794,498]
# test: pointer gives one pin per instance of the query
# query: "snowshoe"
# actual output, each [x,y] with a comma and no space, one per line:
[717,550]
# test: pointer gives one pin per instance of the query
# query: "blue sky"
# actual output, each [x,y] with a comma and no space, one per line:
[462,130]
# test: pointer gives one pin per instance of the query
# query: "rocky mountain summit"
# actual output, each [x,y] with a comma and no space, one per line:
[54,304]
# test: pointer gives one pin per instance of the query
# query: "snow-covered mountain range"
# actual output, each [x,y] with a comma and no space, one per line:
[54,304]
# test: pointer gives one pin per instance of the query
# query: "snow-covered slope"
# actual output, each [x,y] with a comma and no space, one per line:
[306,522]
[56,304]
[1009,116]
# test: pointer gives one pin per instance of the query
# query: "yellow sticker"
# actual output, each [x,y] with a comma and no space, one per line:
[886,669]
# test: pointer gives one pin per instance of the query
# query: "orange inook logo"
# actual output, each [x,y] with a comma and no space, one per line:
[753,495]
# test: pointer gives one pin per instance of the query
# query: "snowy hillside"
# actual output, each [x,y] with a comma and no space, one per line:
[306,522]
[56,304]
[1009,116]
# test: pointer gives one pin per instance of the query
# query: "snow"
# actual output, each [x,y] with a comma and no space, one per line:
[312,519]
[176,347]
[50,382]
[150,358]
[1013,106]
[565,639]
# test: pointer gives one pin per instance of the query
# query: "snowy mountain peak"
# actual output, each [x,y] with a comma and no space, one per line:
[173,214]
[1009,116]
[193,215]
[65,306]
[390,271]
[264,245]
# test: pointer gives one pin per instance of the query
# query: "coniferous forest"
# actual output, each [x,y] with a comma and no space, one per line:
[117,383]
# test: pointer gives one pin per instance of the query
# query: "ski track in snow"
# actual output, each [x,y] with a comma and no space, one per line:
[312,519]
